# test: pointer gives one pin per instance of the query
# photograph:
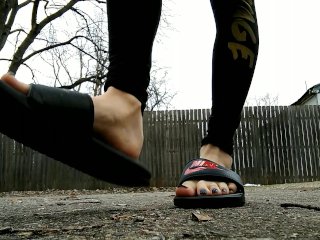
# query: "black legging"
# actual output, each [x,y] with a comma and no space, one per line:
[132,28]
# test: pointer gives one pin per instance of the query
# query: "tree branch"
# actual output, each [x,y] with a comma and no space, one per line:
[34,13]
[57,14]
[24,64]
[83,80]
[25,3]
[51,47]
[36,29]
[18,30]
[8,7]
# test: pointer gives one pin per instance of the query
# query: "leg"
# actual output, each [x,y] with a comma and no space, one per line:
[132,28]
[115,116]
[234,58]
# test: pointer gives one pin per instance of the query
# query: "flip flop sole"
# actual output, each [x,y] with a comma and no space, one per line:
[223,201]
[58,123]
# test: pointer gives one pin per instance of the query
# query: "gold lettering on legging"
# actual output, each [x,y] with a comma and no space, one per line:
[245,12]
[250,2]
[245,52]
[244,15]
[241,31]
[242,36]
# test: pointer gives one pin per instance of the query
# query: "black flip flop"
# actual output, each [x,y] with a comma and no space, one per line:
[203,169]
[58,123]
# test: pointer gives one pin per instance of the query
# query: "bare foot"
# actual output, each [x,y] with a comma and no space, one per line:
[194,188]
[117,117]
[118,120]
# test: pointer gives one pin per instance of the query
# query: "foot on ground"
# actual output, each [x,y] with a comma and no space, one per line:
[208,188]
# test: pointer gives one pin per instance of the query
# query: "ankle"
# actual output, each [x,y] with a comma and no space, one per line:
[118,104]
[118,120]
[216,155]
[124,98]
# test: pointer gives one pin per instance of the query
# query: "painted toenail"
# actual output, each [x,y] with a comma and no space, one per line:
[203,191]
[182,186]
[224,190]
[214,190]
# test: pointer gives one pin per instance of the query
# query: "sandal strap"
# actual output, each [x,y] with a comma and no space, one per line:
[66,111]
[204,169]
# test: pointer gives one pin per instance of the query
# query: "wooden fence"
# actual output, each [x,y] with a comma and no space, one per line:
[272,145]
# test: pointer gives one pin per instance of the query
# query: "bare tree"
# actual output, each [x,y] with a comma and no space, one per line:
[69,40]
[41,34]
[86,63]
[266,100]
[159,95]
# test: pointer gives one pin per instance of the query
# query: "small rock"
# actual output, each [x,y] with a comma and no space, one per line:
[27,234]
[186,235]
[5,230]
[139,219]
[122,204]
[118,234]
[159,237]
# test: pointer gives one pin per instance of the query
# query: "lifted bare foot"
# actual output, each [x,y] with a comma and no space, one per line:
[117,117]
[118,120]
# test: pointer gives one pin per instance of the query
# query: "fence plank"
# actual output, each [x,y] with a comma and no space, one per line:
[283,157]
[274,146]
[271,145]
[316,144]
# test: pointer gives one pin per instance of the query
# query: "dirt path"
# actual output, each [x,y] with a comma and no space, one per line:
[290,211]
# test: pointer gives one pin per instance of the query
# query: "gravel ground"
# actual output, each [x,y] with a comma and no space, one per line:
[286,211]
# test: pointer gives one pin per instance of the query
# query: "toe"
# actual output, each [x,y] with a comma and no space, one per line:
[223,188]
[187,189]
[14,83]
[232,188]
[204,188]
[214,188]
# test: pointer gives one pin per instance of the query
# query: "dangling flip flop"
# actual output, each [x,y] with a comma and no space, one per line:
[203,169]
[58,123]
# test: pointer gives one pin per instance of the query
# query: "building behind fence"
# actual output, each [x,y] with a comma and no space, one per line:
[272,145]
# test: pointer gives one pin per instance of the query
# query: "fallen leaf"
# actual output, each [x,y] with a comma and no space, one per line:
[200,217]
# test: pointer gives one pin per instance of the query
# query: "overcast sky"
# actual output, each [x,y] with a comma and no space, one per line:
[288,58]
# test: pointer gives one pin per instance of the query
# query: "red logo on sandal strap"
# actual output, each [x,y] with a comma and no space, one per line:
[199,165]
